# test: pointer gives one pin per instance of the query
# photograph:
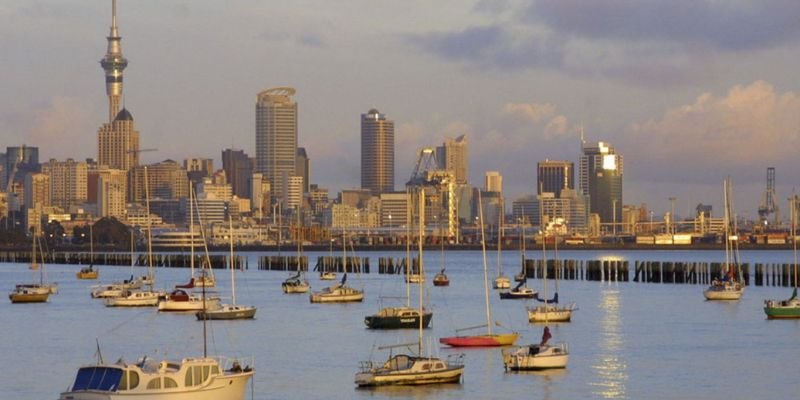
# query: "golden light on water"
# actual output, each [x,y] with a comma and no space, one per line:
[609,367]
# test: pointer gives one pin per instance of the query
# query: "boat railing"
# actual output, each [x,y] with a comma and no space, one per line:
[236,364]
[455,360]
[365,366]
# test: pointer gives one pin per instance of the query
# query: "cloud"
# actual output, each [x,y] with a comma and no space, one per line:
[727,25]
[61,127]
[743,132]
[643,43]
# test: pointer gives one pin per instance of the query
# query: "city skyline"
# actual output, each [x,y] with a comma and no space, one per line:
[686,107]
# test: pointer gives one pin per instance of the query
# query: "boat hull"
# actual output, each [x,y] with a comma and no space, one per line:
[397,322]
[549,314]
[186,306]
[149,299]
[368,379]
[554,357]
[788,309]
[344,298]
[301,288]
[517,295]
[86,274]
[228,387]
[712,294]
[507,339]
[227,312]
[19,298]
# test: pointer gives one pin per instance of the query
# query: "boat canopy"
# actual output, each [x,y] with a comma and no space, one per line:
[104,379]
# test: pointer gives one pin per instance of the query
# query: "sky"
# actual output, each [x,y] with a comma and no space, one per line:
[688,91]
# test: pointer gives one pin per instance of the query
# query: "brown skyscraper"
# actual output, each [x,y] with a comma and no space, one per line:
[377,153]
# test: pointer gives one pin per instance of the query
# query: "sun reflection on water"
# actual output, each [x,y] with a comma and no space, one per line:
[610,368]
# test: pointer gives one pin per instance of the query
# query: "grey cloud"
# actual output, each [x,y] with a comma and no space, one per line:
[728,25]
[492,46]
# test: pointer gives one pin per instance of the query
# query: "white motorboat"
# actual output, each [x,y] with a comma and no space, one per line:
[502,282]
[536,357]
[179,300]
[187,379]
[134,298]
[415,278]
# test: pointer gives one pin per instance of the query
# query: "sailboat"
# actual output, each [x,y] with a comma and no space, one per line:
[339,292]
[326,274]
[790,308]
[233,310]
[502,281]
[206,278]
[522,275]
[410,369]
[141,298]
[31,292]
[541,355]
[406,317]
[550,311]
[441,279]
[729,286]
[89,272]
[489,338]
[297,283]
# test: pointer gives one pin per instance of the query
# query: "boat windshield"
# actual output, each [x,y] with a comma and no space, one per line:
[97,378]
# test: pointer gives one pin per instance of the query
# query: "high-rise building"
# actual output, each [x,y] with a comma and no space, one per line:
[166,180]
[452,156]
[118,143]
[68,182]
[238,170]
[377,152]
[37,190]
[112,191]
[19,161]
[553,176]
[276,137]
[294,192]
[601,179]
[303,168]
[493,182]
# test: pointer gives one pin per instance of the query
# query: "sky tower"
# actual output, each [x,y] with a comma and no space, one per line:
[113,64]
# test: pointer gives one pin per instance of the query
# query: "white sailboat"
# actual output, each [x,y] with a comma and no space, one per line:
[135,297]
[297,283]
[501,281]
[339,292]
[729,286]
[412,369]
[206,276]
[550,310]
[542,355]
[233,310]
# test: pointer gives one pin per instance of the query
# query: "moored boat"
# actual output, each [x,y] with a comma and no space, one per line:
[441,279]
[189,379]
[730,285]
[337,293]
[179,300]
[26,295]
[536,356]
[398,318]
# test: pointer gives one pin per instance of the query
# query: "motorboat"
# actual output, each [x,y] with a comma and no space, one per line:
[134,298]
[441,279]
[337,293]
[189,378]
[536,357]
[180,300]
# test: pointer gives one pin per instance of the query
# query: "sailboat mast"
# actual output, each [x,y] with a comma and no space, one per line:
[544,272]
[91,245]
[191,229]
[409,208]
[421,270]
[485,273]
[149,231]
[499,243]
[233,277]
[794,236]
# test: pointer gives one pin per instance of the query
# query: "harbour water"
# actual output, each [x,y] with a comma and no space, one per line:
[627,340]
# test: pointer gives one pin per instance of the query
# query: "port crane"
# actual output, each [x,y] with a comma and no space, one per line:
[768,204]
[428,175]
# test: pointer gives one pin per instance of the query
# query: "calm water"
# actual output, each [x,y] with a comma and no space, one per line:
[627,341]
